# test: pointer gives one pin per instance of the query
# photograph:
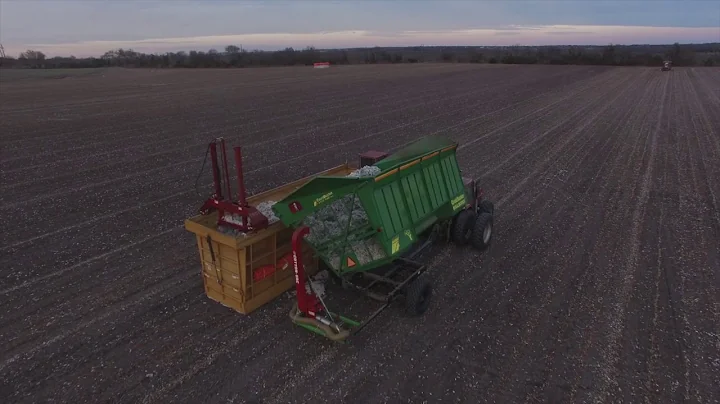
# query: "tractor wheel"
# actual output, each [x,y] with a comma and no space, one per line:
[435,233]
[417,296]
[462,227]
[487,206]
[482,231]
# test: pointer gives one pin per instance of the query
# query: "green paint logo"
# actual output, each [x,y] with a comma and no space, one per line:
[323,199]
[458,202]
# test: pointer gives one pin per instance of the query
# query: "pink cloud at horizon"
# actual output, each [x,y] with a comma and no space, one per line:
[511,35]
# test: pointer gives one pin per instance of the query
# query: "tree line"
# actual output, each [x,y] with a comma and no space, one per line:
[234,56]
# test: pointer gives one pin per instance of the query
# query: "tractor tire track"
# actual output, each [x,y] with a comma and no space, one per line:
[567,305]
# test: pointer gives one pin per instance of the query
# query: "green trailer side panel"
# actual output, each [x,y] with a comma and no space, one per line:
[416,206]
[414,186]
[315,194]
[451,174]
[429,188]
[415,150]
[393,213]
[437,190]
[417,187]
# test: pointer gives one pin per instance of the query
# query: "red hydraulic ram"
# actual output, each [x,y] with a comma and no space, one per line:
[311,312]
[250,218]
[308,303]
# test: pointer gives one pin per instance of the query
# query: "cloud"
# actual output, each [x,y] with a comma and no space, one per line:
[569,33]
[506,33]
[89,27]
[520,28]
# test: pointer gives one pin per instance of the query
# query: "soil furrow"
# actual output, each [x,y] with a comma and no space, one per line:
[148,162]
[308,111]
[600,284]
[444,322]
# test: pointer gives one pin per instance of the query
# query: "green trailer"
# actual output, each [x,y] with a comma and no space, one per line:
[367,225]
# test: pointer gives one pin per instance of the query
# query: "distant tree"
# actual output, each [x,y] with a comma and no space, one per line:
[608,56]
[235,56]
[675,52]
[32,58]
[476,57]
[32,55]
[344,58]
[655,60]
[681,55]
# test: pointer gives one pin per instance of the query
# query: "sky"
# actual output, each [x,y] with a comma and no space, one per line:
[91,27]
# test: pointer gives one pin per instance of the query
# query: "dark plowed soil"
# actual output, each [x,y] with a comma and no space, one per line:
[602,284]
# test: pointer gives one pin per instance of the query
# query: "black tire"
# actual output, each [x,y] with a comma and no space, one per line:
[462,227]
[435,233]
[480,239]
[487,206]
[417,296]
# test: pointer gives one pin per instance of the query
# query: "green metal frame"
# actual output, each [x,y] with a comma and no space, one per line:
[346,321]
[417,187]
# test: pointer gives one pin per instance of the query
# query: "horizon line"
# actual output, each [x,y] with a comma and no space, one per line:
[508,35]
[392,47]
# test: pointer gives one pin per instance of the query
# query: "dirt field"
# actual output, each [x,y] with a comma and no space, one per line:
[602,284]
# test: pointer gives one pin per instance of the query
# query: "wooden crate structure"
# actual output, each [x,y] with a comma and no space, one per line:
[249,271]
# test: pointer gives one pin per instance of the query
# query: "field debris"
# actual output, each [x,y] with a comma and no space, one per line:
[318,283]
[365,172]
[92,307]
[333,225]
[366,251]
[231,231]
[233,218]
[329,224]
[264,207]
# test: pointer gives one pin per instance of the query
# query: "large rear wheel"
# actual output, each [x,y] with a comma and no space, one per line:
[482,231]
[417,296]
[462,227]
[487,206]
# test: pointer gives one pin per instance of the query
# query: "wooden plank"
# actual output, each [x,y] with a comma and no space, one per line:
[226,277]
[227,301]
[270,294]
[226,290]
[236,257]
